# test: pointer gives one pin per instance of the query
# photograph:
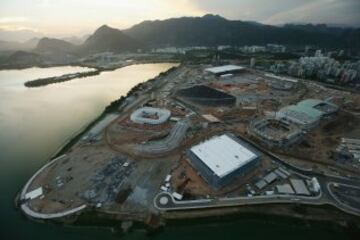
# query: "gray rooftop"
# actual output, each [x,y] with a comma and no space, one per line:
[299,187]
[284,171]
[260,184]
[284,189]
[270,177]
[281,174]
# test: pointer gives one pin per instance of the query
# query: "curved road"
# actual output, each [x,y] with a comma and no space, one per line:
[164,201]
[26,206]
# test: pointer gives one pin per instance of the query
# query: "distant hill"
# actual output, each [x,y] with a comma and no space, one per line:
[52,45]
[324,28]
[10,46]
[18,46]
[21,59]
[209,30]
[74,40]
[32,43]
[346,36]
[212,30]
[19,35]
[108,39]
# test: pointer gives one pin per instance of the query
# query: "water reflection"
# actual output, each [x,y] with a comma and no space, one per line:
[35,122]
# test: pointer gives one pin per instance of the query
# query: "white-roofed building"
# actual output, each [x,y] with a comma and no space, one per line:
[227,69]
[34,194]
[221,158]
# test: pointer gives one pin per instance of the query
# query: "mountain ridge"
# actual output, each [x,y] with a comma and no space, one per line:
[209,30]
[106,38]
[212,30]
[54,45]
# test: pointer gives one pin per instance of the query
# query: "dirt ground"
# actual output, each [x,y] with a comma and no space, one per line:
[320,143]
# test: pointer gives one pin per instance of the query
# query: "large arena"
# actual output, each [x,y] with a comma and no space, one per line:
[206,96]
[222,158]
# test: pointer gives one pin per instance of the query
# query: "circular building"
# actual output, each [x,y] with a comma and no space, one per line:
[149,115]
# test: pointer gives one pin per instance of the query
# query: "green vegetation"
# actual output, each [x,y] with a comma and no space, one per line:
[51,80]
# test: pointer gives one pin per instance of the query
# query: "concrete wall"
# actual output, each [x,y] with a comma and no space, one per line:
[138,117]
[213,179]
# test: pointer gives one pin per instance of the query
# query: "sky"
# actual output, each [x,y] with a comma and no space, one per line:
[76,17]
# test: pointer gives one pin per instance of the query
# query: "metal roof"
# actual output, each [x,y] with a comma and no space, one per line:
[299,186]
[34,194]
[284,189]
[269,178]
[224,69]
[305,111]
[351,141]
[223,155]
[281,78]
[280,173]
[284,171]
[298,115]
[211,118]
[260,184]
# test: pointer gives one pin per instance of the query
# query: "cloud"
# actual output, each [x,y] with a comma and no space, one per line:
[321,11]
[72,16]
[43,3]
[285,11]
[9,20]
[248,9]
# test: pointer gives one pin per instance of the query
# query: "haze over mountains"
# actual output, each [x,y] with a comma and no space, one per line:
[209,30]
[212,30]
[109,39]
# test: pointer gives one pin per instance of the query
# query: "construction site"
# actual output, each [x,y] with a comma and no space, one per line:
[276,132]
[204,133]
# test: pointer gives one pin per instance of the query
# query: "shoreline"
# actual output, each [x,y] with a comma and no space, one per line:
[71,141]
[326,216]
[111,108]
[42,82]
[2,68]
[114,106]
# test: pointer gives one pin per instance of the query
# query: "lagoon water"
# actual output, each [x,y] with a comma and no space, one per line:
[36,122]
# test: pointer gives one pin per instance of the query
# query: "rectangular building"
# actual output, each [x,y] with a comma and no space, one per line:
[299,187]
[227,69]
[284,189]
[308,113]
[221,158]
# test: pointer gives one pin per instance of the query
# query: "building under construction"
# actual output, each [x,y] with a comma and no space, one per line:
[307,113]
[275,132]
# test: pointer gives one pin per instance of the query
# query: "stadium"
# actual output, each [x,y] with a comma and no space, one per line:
[221,159]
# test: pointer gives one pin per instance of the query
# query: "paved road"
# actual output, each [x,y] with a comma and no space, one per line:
[168,144]
[323,179]
[26,205]
[165,202]
[342,202]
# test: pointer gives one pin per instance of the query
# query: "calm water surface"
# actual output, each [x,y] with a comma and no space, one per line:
[35,123]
